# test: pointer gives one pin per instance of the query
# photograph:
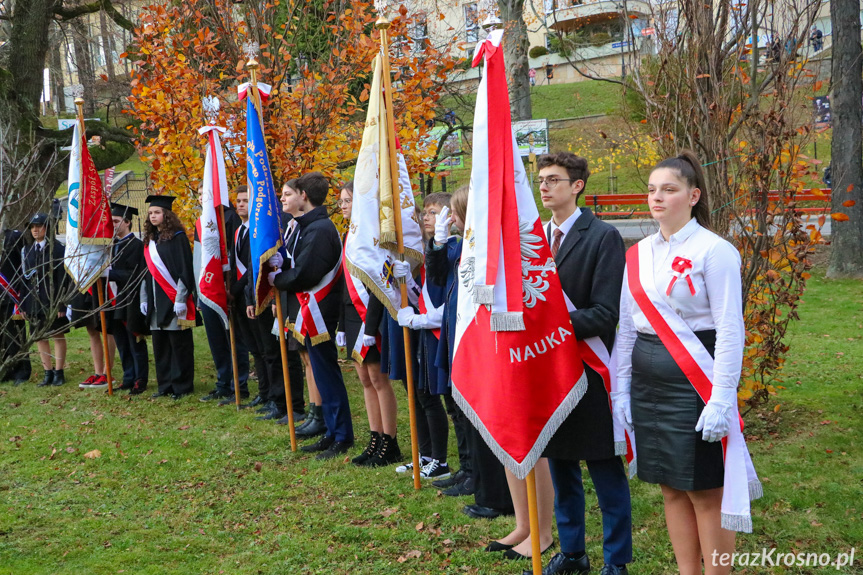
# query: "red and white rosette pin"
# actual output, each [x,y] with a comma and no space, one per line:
[681,267]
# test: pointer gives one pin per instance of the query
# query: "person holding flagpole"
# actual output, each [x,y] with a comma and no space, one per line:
[168,298]
[680,352]
[129,328]
[315,260]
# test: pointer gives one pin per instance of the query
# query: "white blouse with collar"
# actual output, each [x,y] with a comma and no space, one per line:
[717,303]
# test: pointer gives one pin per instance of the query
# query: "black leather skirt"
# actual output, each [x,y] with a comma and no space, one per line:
[665,410]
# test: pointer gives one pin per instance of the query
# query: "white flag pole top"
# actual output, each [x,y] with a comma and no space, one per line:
[490,8]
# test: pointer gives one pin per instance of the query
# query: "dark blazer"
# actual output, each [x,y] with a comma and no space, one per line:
[45,279]
[128,268]
[590,265]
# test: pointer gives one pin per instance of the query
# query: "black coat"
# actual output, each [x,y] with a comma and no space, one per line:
[590,265]
[317,251]
[128,268]
[46,280]
[10,267]
[177,255]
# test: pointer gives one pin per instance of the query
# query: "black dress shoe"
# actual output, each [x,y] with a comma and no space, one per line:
[297,418]
[159,394]
[48,379]
[614,570]
[139,387]
[176,396]
[514,555]
[267,407]
[315,427]
[20,381]
[216,394]
[560,564]
[480,512]
[334,450]
[127,385]
[466,487]
[322,444]
[254,403]
[495,546]
[454,479]
[274,414]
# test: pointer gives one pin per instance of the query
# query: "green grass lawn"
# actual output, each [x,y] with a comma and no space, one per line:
[185,487]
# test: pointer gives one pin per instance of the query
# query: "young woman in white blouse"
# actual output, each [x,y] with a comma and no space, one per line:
[680,350]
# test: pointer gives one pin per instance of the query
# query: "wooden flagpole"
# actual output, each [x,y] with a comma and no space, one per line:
[252,65]
[100,286]
[231,323]
[382,25]
[533,515]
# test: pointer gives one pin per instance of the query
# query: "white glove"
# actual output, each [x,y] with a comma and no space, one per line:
[180,309]
[105,272]
[622,408]
[271,277]
[69,313]
[442,224]
[143,308]
[276,261]
[369,340]
[405,316]
[719,414]
[341,339]
[401,269]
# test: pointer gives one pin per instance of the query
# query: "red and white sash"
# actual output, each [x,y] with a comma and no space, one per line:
[163,277]
[6,285]
[360,299]
[741,483]
[241,269]
[310,321]
[425,300]
[595,355]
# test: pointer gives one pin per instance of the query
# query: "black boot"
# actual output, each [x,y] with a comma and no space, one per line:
[387,454]
[48,379]
[59,377]
[316,426]
[308,418]
[369,451]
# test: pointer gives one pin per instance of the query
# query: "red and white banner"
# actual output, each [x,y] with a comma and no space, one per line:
[263,89]
[517,371]
[163,277]
[89,224]
[741,483]
[214,255]
[360,298]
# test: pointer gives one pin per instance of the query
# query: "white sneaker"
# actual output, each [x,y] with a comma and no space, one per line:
[409,466]
[434,469]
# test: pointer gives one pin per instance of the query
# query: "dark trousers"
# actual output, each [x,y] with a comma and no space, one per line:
[462,432]
[432,425]
[174,353]
[612,491]
[220,348]
[13,336]
[133,353]
[247,333]
[492,489]
[324,358]
[271,386]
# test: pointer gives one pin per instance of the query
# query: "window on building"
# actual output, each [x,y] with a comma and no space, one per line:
[419,29]
[471,22]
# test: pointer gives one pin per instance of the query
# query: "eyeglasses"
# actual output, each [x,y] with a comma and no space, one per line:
[429,213]
[550,181]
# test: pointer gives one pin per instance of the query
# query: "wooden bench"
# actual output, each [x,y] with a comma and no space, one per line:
[608,205]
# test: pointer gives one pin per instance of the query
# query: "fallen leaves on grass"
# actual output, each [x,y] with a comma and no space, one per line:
[258,466]
[389,511]
[93,454]
[414,554]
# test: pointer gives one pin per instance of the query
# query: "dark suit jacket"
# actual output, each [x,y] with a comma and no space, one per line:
[590,265]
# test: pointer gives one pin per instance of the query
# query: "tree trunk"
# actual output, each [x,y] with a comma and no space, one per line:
[107,44]
[846,259]
[56,66]
[84,63]
[29,40]
[516,46]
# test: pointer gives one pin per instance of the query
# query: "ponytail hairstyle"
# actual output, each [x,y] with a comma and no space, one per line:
[688,167]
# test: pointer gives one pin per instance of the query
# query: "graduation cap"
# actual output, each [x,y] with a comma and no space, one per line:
[39,219]
[125,212]
[163,202]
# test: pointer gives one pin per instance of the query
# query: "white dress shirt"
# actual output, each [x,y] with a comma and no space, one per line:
[717,303]
[564,227]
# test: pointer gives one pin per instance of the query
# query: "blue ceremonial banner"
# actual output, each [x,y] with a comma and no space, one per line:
[265,210]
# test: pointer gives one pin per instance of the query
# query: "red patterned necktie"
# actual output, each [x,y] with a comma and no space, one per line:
[558,236]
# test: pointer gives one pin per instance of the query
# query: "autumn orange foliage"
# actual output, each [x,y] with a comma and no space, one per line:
[184,51]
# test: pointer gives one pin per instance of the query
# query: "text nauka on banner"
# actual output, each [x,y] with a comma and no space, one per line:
[517,371]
